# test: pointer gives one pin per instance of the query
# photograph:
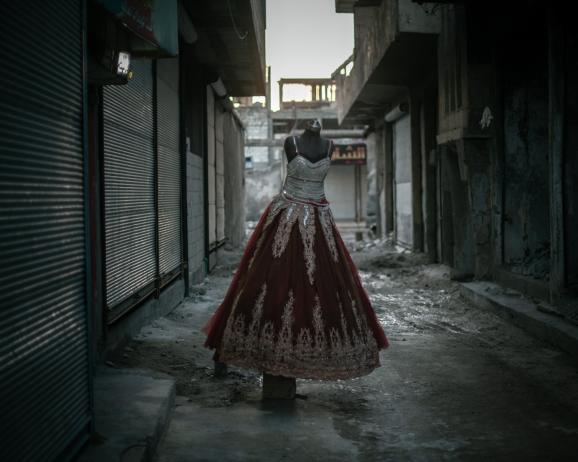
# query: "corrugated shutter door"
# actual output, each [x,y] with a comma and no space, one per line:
[340,191]
[169,159]
[129,170]
[220,173]
[211,170]
[44,365]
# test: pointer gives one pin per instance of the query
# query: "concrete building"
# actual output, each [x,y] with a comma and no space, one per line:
[122,176]
[472,114]
[263,162]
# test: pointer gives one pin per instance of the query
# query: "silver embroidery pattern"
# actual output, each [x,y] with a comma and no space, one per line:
[236,327]
[326,220]
[362,325]
[228,333]
[277,205]
[342,351]
[284,347]
[307,231]
[257,315]
[319,329]
[292,212]
[284,227]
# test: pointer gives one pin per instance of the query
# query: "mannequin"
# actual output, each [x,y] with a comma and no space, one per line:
[312,146]
[310,143]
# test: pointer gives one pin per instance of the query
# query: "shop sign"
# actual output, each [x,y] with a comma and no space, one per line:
[353,154]
[154,21]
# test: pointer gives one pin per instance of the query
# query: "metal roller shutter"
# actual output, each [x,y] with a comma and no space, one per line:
[211,171]
[129,184]
[340,191]
[44,360]
[219,174]
[169,169]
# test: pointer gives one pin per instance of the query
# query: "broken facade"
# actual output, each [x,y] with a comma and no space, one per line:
[473,113]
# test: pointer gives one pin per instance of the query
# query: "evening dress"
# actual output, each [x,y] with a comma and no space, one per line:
[296,306]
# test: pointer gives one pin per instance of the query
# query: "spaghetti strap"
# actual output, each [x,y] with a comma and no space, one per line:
[295,143]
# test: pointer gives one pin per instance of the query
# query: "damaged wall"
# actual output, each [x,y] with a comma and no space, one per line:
[263,174]
[570,195]
[526,232]
[234,160]
[261,186]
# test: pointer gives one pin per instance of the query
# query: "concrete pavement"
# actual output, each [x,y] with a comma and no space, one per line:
[132,410]
[458,383]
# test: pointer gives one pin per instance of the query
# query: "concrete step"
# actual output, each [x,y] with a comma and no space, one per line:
[132,410]
[545,324]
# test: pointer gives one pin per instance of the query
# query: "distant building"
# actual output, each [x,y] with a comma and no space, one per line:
[301,100]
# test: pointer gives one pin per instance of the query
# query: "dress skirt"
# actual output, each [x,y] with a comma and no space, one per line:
[296,306]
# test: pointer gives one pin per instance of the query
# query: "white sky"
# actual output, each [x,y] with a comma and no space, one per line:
[305,38]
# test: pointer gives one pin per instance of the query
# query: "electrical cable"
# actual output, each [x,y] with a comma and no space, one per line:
[241,36]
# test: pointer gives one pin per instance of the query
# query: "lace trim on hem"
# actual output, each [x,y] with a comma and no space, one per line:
[310,351]
[317,373]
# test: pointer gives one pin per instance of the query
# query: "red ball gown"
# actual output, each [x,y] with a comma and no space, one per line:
[296,306]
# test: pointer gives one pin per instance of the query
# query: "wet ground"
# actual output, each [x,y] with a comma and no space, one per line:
[457,383]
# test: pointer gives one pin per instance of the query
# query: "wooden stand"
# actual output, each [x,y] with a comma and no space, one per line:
[220,370]
[278,387]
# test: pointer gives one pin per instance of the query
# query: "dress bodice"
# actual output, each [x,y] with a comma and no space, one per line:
[305,179]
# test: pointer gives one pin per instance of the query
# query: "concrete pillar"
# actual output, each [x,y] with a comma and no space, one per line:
[388,175]
[477,162]
[416,173]
[428,128]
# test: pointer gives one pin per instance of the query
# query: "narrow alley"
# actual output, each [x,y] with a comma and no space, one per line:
[219,217]
[457,383]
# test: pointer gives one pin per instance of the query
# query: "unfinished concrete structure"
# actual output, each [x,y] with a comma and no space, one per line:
[474,115]
[301,100]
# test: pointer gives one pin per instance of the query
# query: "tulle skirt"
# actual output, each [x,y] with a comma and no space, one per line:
[296,306]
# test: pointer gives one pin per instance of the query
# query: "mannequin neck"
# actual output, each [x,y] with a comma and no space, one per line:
[310,135]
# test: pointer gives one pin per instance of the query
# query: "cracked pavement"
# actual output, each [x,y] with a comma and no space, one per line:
[457,383]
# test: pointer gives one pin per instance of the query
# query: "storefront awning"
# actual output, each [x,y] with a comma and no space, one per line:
[154,22]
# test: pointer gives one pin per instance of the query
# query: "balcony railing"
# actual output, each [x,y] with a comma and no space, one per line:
[306,93]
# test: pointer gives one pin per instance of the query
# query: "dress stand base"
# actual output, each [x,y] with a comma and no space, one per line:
[278,387]
[220,370]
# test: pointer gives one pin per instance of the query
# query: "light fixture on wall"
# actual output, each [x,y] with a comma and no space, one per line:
[123,64]
[397,112]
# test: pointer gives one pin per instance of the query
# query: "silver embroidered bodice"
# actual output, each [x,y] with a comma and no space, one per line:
[305,179]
